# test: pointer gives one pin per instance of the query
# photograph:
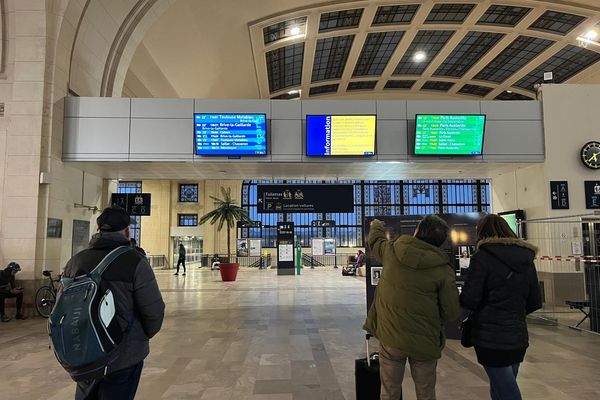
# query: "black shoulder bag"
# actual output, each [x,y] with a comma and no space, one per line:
[466,326]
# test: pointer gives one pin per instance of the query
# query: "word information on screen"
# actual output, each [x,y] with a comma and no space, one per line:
[449,134]
[340,135]
[230,134]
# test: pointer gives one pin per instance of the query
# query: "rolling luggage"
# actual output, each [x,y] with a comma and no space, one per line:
[366,376]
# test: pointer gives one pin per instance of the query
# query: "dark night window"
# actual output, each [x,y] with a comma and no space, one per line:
[188,193]
[399,84]
[371,198]
[187,219]
[449,13]
[284,67]
[325,89]
[557,22]
[389,15]
[438,86]
[362,85]
[340,20]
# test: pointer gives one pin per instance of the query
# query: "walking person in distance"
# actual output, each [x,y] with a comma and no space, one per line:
[501,289]
[415,295]
[181,259]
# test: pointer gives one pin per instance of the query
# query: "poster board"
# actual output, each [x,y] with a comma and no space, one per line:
[254,247]
[329,248]
[285,252]
[318,247]
[242,249]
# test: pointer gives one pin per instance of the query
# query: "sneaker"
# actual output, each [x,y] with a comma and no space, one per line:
[176,273]
[20,316]
[183,274]
[4,318]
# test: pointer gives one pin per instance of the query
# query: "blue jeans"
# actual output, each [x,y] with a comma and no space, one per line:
[121,385]
[503,382]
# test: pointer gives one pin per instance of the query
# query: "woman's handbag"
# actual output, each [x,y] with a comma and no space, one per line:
[466,338]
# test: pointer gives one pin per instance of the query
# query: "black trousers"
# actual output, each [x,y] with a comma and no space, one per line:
[19,297]
[118,385]
[181,261]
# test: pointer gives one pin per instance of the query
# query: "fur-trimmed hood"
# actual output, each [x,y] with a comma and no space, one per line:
[507,242]
[516,253]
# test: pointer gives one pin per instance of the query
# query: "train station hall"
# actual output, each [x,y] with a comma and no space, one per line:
[300,199]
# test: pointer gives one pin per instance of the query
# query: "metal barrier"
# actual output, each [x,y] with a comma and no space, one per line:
[158,261]
[337,260]
[206,260]
[568,266]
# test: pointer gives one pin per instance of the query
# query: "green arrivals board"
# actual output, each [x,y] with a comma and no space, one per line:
[449,134]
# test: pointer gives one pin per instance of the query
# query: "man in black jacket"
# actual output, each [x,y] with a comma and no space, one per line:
[9,289]
[181,259]
[132,282]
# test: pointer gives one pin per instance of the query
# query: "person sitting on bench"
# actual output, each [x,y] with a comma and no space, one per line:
[360,259]
[9,289]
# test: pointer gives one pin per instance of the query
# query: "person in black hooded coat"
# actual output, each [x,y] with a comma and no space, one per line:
[501,289]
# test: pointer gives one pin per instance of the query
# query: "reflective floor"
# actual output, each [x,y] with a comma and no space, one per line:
[266,337]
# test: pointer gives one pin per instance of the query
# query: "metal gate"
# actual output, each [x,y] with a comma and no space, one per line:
[568,268]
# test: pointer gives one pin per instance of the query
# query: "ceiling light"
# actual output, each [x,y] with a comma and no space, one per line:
[591,35]
[509,91]
[419,56]
[292,92]
[295,31]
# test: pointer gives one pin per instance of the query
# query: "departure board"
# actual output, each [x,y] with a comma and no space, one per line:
[340,135]
[230,134]
[449,134]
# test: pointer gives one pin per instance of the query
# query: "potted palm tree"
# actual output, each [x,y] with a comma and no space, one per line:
[226,213]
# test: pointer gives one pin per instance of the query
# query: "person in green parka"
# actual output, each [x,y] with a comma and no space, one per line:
[415,295]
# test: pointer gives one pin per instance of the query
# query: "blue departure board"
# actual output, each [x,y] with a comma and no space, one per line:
[230,134]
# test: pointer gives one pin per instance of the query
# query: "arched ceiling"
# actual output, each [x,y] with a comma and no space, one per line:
[492,49]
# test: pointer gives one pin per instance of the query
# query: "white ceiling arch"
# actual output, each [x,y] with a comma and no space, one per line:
[217,49]
[484,49]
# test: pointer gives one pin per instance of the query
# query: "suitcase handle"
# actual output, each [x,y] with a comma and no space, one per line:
[367,337]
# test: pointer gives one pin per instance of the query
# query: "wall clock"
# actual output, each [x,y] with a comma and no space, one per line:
[590,155]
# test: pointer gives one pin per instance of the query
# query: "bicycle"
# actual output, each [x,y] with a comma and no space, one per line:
[45,297]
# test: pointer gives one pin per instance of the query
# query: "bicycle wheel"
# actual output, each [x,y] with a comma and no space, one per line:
[44,301]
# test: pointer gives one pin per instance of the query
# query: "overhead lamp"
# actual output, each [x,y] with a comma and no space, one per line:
[591,35]
[509,91]
[419,56]
[295,31]
[295,91]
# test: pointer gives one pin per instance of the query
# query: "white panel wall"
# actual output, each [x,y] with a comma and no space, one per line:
[161,139]
[116,129]
[96,139]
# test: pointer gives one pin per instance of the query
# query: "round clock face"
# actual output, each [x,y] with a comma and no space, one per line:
[590,155]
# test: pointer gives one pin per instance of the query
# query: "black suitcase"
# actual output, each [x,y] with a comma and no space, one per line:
[366,376]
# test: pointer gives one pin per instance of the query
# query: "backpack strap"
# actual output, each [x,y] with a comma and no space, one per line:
[110,257]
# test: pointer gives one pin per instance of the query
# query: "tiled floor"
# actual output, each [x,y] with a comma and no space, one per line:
[266,337]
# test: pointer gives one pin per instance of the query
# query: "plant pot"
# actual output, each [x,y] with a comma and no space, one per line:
[229,271]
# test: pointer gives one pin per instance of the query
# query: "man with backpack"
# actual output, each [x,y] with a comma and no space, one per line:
[134,309]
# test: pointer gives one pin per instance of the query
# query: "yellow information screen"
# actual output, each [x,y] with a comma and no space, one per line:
[340,135]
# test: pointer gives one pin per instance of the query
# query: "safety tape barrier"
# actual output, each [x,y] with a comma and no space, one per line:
[587,259]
